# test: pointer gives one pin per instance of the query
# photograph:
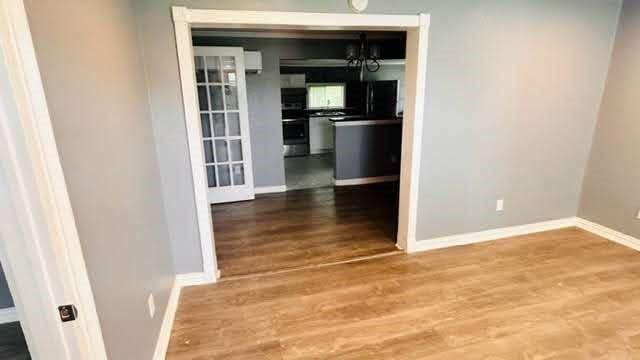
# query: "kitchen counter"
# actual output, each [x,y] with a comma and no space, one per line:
[366,122]
[359,120]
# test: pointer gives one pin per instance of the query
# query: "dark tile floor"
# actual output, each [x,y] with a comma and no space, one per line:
[12,343]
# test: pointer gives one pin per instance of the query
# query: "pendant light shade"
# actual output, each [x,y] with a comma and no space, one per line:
[363,56]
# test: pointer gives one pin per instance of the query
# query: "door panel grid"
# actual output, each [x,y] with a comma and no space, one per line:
[220,85]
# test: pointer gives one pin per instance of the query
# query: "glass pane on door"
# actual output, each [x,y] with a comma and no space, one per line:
[231,97]
[208,152]
[202,98]
[215,95]
[199,63]
[213,69]
[223,175]
[206,125]
[233,119]
[218,124]
[236,150]
[229,70]
[222,153]
[238,174]
[211,176]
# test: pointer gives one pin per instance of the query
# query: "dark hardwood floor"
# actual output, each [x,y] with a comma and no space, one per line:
[12,343]
[565,294]
[305,228]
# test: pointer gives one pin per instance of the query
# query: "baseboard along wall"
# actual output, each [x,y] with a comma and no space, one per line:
[364,181]
[609,234]
[506,232]
[489,235]
[270,189]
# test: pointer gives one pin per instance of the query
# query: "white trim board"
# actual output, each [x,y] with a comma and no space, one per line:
[364,181]
[489,235]
[196,278]
[186,69]
[164,335]
[8,315]
[210,18]
[609,234]
[270,189]
[506,232]
[417,29]
[283,34]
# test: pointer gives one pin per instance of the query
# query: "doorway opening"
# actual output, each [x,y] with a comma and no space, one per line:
[293,224]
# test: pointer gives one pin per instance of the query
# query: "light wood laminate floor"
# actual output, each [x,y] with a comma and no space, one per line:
[304,228]
[564,294]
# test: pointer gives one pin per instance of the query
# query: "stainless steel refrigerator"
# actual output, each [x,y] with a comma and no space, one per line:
[375,99]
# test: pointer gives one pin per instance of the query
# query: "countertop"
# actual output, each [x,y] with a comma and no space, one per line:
[359,120]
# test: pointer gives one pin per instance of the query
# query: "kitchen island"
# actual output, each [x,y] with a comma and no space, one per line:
[366,150]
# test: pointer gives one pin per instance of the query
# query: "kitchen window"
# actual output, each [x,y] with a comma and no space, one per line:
[326,96]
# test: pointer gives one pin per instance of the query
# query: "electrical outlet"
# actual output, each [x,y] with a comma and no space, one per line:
[152,305]
[500,205]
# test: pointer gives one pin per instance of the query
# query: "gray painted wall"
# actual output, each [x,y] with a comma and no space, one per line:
[513,93]
[367,151]
[6,301]
[95,87]
[612,182]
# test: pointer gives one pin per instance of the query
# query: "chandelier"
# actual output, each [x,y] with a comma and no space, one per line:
[363,55]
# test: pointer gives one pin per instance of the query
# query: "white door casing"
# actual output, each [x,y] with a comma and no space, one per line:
[39,245]
[417,28]
[224,123]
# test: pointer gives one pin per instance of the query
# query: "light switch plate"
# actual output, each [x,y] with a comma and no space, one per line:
[500,205]
[638,215]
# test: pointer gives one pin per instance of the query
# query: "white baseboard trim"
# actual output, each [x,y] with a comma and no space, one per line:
[488,235]
[196,278]
[368,180]
[609,234]
[181,280]
[167,322]
[8,315]
[270,189]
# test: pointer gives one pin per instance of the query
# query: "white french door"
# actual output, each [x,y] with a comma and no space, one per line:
[224,119]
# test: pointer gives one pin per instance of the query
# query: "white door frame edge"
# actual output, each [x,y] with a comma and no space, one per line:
[417,28]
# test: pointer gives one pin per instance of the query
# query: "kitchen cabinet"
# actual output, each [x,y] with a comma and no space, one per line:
[288,81]
[320,135]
